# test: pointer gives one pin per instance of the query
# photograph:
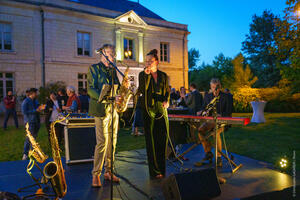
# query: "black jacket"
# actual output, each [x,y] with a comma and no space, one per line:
[144,88]
[224,105]
[194,102]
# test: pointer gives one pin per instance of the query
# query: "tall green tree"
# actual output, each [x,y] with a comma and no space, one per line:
[202,76]
[287,44]
[194,57]
[223,65]
[242,75]
[258,49]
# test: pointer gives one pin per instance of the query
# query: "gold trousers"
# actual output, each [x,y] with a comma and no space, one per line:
[103,137]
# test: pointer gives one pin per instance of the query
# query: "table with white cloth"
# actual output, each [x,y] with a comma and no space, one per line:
[258,111]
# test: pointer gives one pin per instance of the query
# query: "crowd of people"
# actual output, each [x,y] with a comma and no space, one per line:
[63,100]
[193,100]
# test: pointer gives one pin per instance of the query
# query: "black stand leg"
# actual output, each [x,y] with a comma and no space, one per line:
[39,183]
[231,162]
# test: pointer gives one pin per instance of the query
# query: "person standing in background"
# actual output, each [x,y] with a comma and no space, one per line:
[137,120]
[31,110]
[62,97]
[194,100]
[52,110]
[10,106]
[84,101]
[73,104]
[183,96]
[173,96]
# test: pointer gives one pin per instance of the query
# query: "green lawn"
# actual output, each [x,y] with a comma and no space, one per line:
[270,141]
[278,137]
[12,141]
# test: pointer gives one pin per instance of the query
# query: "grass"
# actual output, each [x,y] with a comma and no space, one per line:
[12,141]
[270,141]
[277,138]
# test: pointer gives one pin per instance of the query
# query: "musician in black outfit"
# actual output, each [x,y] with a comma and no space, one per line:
[224,109]
[154,88]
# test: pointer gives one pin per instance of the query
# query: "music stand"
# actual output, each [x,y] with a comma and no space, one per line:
[105,93]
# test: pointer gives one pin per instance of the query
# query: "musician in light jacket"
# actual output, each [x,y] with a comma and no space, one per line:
[224,109]
[99,74]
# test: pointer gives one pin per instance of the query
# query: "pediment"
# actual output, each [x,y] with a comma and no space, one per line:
[131,17]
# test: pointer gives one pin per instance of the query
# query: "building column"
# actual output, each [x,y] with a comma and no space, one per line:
[185,61]
[141,47]
[118,45]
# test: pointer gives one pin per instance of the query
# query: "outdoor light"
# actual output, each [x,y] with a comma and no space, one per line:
[127,53]
[283,163]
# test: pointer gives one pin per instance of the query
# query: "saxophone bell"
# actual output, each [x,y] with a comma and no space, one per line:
[54,170]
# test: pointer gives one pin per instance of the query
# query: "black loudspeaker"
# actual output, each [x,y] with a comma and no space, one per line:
[79,144]
[196,185]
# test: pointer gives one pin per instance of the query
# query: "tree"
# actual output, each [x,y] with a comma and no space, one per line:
[202,76]
[242,75]
[194,57]
[258,48]
[287,44]
[50,86]
[223,65]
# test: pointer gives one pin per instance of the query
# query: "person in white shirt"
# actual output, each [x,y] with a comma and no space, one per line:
[52,110]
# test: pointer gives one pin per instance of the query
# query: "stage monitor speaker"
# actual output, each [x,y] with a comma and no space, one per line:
[196,185]
[79,144]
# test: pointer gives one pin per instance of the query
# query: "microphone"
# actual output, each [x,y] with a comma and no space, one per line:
[98,50]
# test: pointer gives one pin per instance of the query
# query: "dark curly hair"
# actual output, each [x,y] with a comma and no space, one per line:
[153,53]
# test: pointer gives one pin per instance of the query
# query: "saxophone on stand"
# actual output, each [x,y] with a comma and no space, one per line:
[53,171]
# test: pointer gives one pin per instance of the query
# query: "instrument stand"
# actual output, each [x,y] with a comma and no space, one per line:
[215,116]
[237,167]
[215,133]
[39,193]
[217,126]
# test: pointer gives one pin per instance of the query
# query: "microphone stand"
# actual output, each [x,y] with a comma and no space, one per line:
[111,63]
[215,116]
[112,100]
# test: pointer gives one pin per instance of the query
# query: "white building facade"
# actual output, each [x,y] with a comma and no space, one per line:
[44,41]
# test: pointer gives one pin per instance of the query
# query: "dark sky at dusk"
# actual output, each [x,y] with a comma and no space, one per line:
[216,25]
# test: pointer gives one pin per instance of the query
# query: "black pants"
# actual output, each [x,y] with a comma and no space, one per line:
[8,112]
[156,142]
